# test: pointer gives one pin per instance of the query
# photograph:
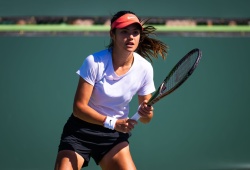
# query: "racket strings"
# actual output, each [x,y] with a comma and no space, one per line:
[181,71]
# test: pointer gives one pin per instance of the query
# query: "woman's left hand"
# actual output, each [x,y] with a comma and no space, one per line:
[146,112]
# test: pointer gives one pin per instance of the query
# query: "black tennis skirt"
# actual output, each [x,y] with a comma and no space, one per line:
[89,140]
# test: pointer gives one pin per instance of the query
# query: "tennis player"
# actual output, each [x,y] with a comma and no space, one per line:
[99,126]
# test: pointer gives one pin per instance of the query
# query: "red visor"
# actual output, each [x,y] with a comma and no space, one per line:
[125,20]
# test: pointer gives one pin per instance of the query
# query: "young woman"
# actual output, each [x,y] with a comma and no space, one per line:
[99,126]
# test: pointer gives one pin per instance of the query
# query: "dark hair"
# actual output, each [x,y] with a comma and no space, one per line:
[148,47]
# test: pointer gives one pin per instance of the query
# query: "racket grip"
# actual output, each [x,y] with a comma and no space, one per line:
[136,116]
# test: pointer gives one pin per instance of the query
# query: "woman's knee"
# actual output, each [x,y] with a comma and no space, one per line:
[118,158]
[67,159]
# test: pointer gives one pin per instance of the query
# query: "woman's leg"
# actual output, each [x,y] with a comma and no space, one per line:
[118,158]
[68,160]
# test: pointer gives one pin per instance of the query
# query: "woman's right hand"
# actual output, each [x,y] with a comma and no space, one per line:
[125,125]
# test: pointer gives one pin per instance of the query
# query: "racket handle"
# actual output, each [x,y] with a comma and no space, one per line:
[136,116]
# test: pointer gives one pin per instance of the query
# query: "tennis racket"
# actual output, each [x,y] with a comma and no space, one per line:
[176,77]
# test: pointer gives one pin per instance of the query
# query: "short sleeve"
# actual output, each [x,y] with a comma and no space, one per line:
[88,70]
[148,86]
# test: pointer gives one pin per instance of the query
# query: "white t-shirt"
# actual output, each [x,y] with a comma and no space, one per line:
[112,93]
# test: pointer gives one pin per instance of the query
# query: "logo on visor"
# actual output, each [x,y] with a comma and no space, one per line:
[130,17]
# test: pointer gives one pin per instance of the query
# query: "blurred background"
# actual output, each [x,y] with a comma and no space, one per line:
[204,125]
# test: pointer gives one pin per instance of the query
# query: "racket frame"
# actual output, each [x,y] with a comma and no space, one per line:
[159,93]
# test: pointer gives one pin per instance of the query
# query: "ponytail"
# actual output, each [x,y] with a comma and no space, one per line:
[150,47]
